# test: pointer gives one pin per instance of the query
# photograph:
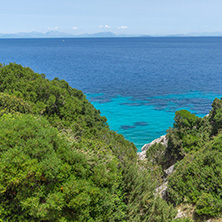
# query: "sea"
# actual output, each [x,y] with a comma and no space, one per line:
[137,83]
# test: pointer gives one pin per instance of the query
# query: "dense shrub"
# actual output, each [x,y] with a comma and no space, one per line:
[12,104]
[198,174]
[189,133]
[183,220]
[43,177]
[208,205]
[215,116]
[56,100]
[196,145]
[156,153]
[60,161]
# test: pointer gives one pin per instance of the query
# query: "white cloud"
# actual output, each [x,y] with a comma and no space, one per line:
[105,26]
[123,27]
[74,28]
[53,28]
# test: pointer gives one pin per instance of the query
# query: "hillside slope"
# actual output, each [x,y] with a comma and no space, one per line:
[61,162]
[194,151]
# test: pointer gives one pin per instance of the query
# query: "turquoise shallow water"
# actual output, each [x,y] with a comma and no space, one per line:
[143,121]
[137,83]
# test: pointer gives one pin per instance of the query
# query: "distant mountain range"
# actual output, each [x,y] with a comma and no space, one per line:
[199,34]
[56,34]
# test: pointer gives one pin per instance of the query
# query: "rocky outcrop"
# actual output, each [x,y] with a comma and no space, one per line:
[170,170]
[162,139]
[180,214]
[161,190]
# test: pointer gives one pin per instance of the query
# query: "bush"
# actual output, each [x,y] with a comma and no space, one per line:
[43,177]
[156,153]
[197,179]
[188,134]
[12,104]
[56,100]
[62,163]
[208,205]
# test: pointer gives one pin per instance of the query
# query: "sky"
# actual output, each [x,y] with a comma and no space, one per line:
[148,17]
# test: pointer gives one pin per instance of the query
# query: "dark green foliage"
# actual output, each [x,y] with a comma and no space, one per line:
[215,116]
[197,143]
[188,134]
[60,103]
[60,161]
[184,119]
[198,174]
[156,153]
[208,205]
[142,204]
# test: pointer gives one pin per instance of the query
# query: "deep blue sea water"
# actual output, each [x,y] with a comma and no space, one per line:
[137,83]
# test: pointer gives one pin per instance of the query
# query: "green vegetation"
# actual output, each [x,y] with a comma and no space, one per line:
[61,162]
[156,153]
[189,133]
[195,147]
[197,178]
[183,220]
[43,176]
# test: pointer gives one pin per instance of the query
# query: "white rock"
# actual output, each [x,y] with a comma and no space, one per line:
[169,170]
[180,215]
[161,190]
[163,140]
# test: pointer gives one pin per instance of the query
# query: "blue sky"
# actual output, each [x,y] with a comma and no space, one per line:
[156,17]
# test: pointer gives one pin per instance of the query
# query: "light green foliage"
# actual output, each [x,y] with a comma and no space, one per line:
[60,162]
[183,220]
[12,104]
[161,211]
[143,205]
[43,177]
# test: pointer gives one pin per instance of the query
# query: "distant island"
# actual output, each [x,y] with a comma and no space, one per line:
[57,34]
